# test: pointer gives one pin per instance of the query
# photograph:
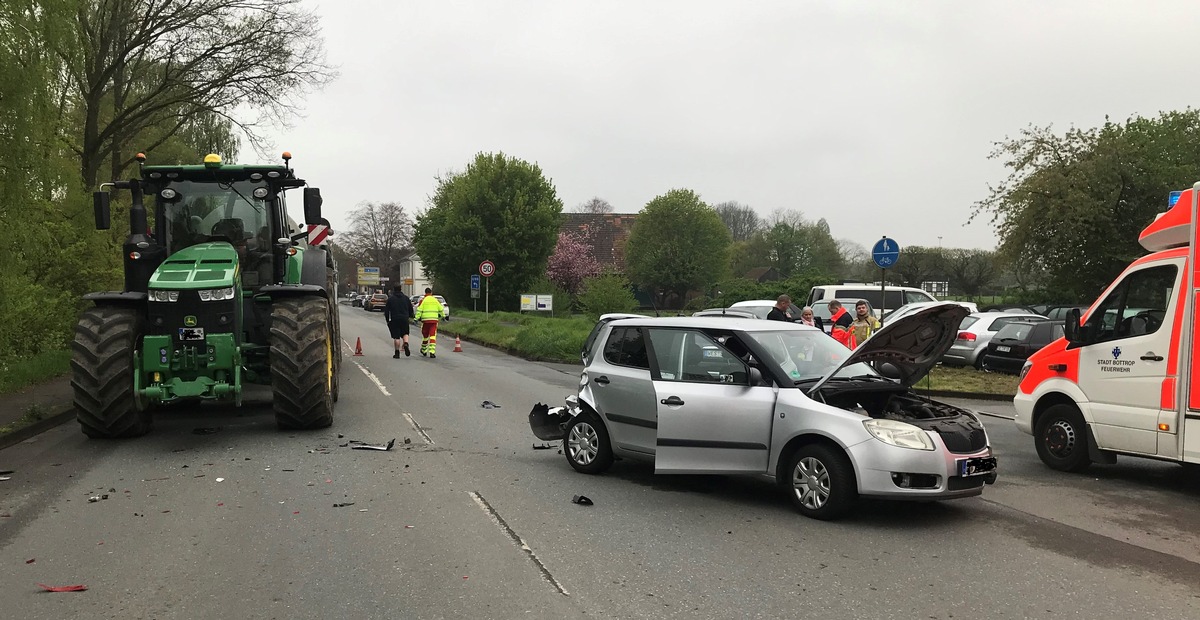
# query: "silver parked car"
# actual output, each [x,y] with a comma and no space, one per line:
[974,334]
[728,396]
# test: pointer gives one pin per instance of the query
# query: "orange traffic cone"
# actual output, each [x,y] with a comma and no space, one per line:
[358,347]
[457,345]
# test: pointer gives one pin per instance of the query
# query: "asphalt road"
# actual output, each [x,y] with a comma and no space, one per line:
[468,520]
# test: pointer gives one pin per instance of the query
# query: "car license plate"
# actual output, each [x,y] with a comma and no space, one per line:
[1003,349]
[976,466]
[191,334]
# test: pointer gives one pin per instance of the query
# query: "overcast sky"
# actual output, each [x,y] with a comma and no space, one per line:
[878,116]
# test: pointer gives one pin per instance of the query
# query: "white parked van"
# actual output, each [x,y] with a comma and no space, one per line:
[1125,378]
[894,296]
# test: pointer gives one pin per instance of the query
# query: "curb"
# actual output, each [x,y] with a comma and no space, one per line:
[37,428]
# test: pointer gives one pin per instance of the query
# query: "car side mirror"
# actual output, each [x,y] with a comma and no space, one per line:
[312,205]
[100,204]
[1071,329]
[756,377]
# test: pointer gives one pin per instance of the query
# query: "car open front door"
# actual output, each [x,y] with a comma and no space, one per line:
[710,420]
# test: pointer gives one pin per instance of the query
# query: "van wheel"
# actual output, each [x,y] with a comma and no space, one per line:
[820,482]
[1061,439]
[586,444]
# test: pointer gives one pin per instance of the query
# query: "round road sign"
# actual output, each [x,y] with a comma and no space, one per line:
[487,268]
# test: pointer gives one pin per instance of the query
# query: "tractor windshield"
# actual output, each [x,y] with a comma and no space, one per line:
[209,211]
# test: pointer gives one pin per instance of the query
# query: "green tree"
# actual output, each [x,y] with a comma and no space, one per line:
[1073,204]
[678,244]
[605,293]
[918,264]
[501,209]
[969,271]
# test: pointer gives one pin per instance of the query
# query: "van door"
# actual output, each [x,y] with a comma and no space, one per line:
[1129,336]
[710,419]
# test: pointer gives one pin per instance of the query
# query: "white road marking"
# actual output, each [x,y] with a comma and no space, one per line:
[508,531]
[373,378]
[417,427]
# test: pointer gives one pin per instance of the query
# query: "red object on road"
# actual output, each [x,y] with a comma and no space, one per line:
[78,588]
[358,347]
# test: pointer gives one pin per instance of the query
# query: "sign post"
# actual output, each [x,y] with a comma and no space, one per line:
[486,269]
[885,254]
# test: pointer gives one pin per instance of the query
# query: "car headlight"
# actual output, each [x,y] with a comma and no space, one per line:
[899,434]
[160,295]
[217,294]
[1025,369]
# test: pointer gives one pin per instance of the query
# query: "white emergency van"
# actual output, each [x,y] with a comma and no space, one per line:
[1125,379]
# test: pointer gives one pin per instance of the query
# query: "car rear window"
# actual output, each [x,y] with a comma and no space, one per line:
[999,323]
[1015,331]
[967,322]
[626,347]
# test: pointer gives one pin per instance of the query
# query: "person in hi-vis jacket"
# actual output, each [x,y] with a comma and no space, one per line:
[429,312]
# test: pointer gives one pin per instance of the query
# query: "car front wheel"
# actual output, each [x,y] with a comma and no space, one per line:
[820,482]
[1061,439]
[586,445]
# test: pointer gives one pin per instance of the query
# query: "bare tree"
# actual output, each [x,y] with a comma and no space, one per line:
[380,235]
[741,220]
[595,205]
[140,64]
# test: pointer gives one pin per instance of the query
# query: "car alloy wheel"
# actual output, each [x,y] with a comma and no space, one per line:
[810,481]
[583,444]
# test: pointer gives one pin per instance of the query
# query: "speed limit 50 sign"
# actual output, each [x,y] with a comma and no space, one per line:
[487,268]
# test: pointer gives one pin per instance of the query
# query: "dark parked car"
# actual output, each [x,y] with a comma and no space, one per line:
[1015,342]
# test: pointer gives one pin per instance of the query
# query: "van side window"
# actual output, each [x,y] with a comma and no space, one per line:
[1136,307]
[626,347]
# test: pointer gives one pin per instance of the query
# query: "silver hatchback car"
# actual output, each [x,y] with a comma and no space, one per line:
[742,396]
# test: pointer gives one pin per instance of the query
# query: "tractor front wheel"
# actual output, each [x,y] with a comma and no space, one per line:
[102,367]
[302,363]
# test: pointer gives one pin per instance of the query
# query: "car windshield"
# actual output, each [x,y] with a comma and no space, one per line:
[805,355]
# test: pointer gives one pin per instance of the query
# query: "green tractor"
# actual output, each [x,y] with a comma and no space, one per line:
[224,289]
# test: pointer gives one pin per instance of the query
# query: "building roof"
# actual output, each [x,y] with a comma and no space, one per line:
[607,232]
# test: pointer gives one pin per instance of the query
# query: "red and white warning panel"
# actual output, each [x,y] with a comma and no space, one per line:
[317,234]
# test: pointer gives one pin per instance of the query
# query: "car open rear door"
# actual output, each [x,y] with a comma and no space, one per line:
[710,419]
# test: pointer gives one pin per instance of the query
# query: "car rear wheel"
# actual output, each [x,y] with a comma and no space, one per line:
[586,445]
[1061,439]
[820,482]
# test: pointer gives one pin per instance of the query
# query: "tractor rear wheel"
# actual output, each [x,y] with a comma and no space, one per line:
[302,363]
[102,367]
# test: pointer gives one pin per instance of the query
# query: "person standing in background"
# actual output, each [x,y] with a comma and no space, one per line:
[429,312]
[398,312]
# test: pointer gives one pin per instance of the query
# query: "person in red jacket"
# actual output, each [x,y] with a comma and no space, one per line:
[841,324]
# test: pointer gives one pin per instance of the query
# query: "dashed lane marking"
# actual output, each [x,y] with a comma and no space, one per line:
[373,378]
[516,539]
[417,427]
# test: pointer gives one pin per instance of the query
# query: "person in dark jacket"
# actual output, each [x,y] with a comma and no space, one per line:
[780,311]
[398,312]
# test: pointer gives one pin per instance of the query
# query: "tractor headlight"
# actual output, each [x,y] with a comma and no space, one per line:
[217,294]
[260,192]
[899,434]
[159,295]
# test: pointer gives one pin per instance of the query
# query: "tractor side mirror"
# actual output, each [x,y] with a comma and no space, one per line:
[100,204]
[312,205]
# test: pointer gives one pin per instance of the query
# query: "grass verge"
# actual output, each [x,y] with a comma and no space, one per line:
[17,373]
[553,339]
[32,415]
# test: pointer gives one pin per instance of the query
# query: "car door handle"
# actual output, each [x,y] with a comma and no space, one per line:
[601,380]
[672,401]
[1151,357]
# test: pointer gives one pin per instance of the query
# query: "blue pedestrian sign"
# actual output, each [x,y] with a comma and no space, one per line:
[885,253]
[474,282]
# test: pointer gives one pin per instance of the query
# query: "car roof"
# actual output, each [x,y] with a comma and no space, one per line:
[716,322]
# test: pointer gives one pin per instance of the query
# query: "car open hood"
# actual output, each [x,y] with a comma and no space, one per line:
[912,344]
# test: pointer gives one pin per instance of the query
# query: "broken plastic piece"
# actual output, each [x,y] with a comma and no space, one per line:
[5,478]
[487,404]
[545,446]
[582,500]
[363,446]
[206,430]
[220,480]
[78,588]
[6,472]
[343,505]
[93,499]
[30,560]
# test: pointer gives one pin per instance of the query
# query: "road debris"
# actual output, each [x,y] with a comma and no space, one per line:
[220,480]
[30,560]
[93,499]
[545,446]
[206,430]
[343,505]
[5,478]
[78,588]
[6,472]
[364,446]
[487,404]
[582,500]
